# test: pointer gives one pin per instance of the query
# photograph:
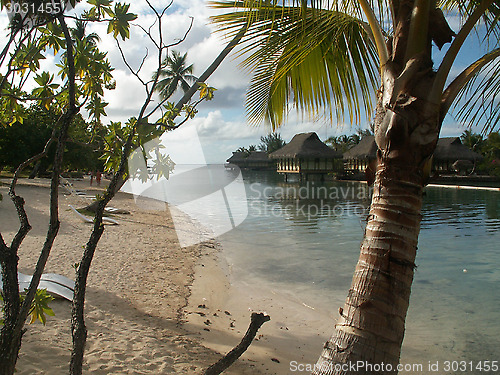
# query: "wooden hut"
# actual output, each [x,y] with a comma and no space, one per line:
[450,153]
[307,157]
[357,158]
[450,156]
[259,160]
[238,159]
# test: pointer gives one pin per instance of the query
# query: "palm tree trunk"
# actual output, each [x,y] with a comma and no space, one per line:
[370,329]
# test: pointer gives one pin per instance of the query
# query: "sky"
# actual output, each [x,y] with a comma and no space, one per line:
[220,124]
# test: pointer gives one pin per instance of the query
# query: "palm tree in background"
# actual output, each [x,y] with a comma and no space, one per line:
[342,58]
[175,73]
[79,33]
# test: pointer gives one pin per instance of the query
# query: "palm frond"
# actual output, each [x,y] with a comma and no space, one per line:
[491,18]
[321,61]
[478,101]
[174,73]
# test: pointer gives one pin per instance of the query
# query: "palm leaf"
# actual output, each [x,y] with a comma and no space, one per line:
[490,18]
[321,61]
[478,101]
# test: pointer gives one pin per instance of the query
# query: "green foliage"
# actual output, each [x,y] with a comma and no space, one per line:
[29,55]
[488,147]
[317,59]
[326,57]
[206,92]
[146,135]
[39,306]
[92,66]
[20,141]
[101,8]
[271,143]
[175,73]
[11,111]
[342,143]
[119,25]
[46,88]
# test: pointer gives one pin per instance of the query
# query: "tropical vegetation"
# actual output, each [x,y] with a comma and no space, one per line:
[20,141]
[268,143]
[488,146]
[342,143]
[84,73]
[342,59]
[175,73]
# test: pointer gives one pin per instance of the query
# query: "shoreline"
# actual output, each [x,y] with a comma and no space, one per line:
[151,304]
[295,333]
[138,286]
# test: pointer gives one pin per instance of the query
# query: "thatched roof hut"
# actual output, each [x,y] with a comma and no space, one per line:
[448,151]
[357,159]
[305,145]
[259,160]
[238,158]
[258,156]
[451,149]
[365,149]
[307,157]
[254,160]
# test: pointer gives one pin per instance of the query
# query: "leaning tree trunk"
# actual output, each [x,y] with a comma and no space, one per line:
[369,333]
[371,324]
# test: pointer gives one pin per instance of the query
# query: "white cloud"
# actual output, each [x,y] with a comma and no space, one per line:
[220,121]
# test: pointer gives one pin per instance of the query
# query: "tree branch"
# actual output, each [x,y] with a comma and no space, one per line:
[54,223]
[256,322]
[382,50]
[208,72]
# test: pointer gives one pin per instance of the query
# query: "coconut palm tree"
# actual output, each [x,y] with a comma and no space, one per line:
[175,73]
[79,33]
[339,58]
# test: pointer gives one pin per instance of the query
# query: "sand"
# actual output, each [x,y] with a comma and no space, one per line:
[156,308]
[137,296]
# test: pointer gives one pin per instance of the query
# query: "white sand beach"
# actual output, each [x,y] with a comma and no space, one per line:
[137,290]
[156,308]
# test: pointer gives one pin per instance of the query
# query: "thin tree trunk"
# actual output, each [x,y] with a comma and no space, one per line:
[15,312]
[9,343]
[371,324]
[36,168]
[95,204]
[78,328]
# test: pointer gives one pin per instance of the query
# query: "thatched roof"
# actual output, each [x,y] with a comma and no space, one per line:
[237,157]
[258,156]
[451,149]
[365,149]
[305,145]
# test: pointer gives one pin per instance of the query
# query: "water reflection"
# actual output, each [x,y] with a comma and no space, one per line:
[461,209]
[310,246]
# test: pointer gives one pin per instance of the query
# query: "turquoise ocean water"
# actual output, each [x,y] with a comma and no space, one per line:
[303,239]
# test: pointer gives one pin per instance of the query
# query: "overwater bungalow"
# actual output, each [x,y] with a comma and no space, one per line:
[451,157]
[307,157]
[238,159]
[356,159]
[256,160]
[259,160]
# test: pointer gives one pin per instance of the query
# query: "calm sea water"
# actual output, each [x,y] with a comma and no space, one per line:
[303,239]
